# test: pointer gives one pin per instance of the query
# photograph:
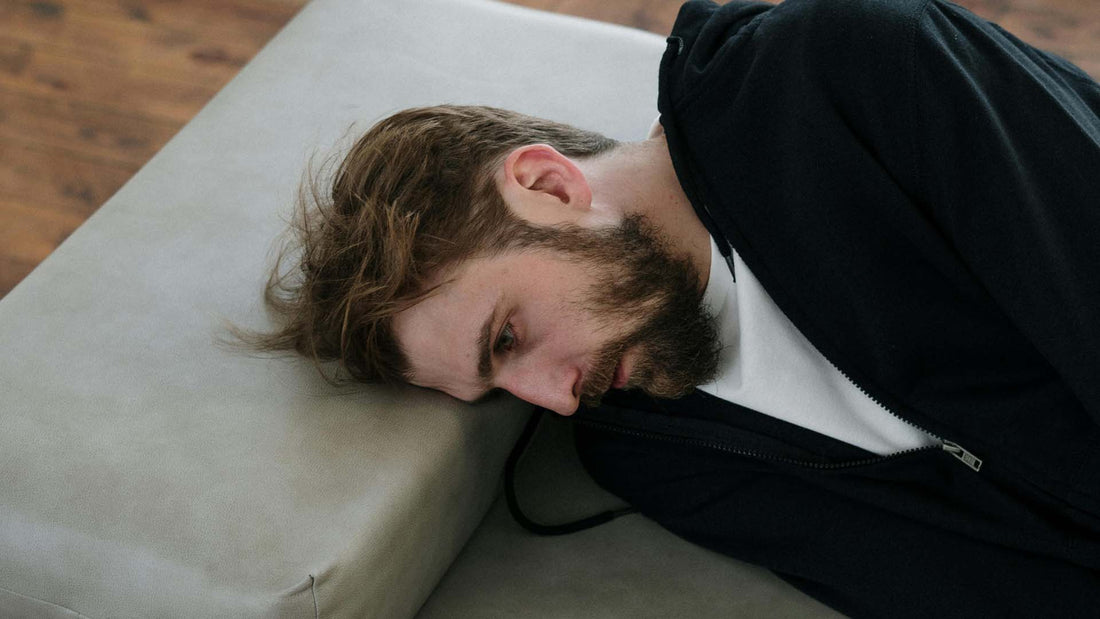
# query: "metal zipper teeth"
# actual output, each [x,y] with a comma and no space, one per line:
[956,450]
[729,262]
[693,442]
[880,404]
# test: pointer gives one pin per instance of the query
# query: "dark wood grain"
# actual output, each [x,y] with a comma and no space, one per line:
[91,89]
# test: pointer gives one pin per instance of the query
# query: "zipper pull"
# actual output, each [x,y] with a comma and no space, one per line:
[963,455]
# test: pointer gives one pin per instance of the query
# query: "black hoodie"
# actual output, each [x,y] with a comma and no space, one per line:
[919,192]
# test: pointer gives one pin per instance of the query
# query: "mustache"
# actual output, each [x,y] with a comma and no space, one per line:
[602,373]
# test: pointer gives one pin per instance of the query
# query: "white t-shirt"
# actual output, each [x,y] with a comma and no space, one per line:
[769,366]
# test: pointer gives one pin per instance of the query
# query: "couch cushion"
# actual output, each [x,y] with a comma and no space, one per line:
[629,568]
[146,471]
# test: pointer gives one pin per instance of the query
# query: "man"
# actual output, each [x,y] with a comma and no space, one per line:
[837,316]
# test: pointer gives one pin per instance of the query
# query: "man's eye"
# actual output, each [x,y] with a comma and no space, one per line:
[507,339]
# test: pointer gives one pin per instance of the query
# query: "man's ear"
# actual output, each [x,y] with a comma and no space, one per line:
[543,185]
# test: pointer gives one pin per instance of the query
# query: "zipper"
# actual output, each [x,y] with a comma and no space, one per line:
[757,455]
[963,455]
[958,451]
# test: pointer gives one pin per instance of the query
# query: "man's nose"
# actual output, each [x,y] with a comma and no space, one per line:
[557,390]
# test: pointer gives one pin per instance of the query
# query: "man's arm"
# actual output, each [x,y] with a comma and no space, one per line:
[891,539]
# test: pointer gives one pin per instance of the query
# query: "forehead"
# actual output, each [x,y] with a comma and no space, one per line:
[439,334]
[436,333]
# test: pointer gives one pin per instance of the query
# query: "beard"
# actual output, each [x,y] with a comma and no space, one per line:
[650,297]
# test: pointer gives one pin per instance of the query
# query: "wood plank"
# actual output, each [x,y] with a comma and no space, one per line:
[27,236]
[56,179]
[31,232]
[251,22]
[251,18]
[29,69]
[112,38]
[92,132]
[13,269]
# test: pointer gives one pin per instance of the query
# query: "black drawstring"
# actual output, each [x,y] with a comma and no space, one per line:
[513,504]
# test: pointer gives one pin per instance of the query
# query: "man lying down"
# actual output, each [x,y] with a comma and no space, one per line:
[838,315]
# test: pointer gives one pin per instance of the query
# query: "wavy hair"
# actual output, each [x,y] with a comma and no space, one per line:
[413,195]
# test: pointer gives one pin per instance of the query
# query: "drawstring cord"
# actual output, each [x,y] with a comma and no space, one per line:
[513,504]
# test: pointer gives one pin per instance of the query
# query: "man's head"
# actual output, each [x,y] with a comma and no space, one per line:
[459,249]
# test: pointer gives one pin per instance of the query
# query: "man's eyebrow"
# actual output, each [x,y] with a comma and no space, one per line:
[485,355]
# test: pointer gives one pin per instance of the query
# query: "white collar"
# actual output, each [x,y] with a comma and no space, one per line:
[718,284]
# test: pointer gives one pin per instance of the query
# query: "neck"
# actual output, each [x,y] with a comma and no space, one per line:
[638,178]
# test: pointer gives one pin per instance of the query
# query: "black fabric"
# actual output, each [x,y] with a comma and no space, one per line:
[918,192]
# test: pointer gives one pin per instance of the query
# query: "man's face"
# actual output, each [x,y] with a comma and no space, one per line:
[564,320]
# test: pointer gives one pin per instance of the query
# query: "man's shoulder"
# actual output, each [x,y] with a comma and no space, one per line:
[840,45]
[854,12]
[815,30]
[846,22]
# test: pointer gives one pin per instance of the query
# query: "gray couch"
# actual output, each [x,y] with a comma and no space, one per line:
[147,472]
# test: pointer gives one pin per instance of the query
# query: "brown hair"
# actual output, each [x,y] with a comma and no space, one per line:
[414,194]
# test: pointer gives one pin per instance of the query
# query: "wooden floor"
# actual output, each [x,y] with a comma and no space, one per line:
[91,89]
